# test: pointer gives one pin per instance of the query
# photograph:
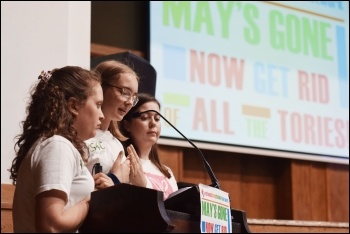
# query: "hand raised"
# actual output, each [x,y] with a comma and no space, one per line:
[137,177]
[121,170]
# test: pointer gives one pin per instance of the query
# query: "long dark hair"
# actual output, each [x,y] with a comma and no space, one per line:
[154,156]
[47,111]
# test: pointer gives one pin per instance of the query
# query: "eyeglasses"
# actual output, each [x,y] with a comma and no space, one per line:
[126,94]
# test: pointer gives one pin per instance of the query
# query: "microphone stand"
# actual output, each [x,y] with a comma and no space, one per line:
[215,182]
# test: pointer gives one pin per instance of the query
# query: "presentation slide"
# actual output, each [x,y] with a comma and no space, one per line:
[261,74]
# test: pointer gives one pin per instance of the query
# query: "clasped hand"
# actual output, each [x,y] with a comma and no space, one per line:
[120,169]
[130,171]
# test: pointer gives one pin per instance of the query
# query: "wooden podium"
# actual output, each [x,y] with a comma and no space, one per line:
[127,208]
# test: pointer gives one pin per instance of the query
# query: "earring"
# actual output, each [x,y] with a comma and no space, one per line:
[74,112]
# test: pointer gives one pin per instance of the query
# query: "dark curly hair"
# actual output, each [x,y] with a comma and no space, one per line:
[47,111]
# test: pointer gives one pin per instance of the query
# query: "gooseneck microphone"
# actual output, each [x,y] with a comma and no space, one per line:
[215,182]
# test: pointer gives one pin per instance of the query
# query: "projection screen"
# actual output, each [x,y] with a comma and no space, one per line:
[262,77]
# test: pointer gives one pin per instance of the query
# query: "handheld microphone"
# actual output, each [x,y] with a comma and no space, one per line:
[97,168]
[215,182]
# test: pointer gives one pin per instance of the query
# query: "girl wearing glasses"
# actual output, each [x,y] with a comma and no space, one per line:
[120,86]
[142,126]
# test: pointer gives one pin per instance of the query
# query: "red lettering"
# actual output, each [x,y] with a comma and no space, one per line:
[313,87]
[314,130]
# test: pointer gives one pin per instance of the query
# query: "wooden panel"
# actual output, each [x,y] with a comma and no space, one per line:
[98,50]
[284,206]
[258,187]
[269,187]
[7,191]
[290,226]
[192,169]
[171,157]
[338,192]
[301,190]
[318,193]
[6,221]
[228,172]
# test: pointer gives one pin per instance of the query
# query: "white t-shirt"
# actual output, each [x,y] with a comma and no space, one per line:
[156,179]
[54,164]
[104,148]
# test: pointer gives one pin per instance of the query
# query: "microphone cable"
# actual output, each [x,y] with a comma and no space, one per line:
[215,182]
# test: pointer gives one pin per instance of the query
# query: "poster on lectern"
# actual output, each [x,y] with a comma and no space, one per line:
[215,210]
[257,74]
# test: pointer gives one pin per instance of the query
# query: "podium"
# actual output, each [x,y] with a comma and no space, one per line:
[127,208]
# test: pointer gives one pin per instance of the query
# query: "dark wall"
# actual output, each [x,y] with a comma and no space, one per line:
[123,24]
